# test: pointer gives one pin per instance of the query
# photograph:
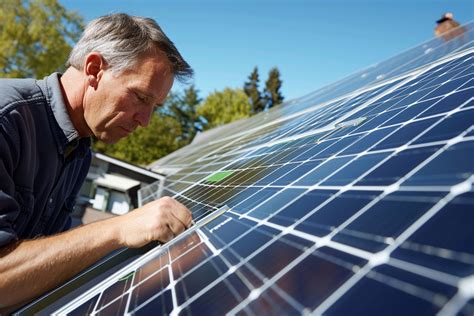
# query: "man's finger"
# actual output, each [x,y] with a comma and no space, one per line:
[182,213]
[175,225]
[166,235]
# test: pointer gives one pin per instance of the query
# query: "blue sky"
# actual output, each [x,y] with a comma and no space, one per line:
[313,43]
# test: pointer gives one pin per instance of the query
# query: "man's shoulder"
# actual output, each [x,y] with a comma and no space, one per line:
[17,92]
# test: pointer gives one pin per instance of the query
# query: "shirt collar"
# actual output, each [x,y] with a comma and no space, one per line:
[56,100]
[70,136]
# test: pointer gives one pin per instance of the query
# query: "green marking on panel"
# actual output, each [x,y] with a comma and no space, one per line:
[127,276]
[216,177]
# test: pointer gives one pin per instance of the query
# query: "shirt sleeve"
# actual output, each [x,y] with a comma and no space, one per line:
[9,210]
[9,207]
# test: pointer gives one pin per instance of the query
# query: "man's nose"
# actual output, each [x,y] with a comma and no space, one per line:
[143,117]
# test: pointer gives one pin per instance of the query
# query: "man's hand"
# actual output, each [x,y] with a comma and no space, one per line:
[159,220]
[28,268]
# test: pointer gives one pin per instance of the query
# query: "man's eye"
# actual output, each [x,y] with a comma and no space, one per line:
[140,98]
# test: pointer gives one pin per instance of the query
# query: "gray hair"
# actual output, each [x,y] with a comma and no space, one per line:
[121,39]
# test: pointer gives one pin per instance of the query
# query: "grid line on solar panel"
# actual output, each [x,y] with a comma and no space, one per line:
[351,183]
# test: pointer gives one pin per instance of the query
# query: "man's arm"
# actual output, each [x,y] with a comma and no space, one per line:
[29,268]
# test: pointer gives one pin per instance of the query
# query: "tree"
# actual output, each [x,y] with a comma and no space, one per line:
[182,106]
[272,94]
[35,37]
[145,145]
[251,90]
[224,107]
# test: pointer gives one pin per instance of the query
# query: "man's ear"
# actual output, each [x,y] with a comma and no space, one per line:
[94,66]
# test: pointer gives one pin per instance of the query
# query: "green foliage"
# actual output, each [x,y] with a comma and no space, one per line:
[224,107]
[145,145]
[35,37]
[272,94]
[251,90]
[182,106]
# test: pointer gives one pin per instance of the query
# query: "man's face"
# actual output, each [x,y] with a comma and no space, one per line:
[121,103]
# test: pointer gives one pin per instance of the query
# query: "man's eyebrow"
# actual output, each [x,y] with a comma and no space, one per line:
[149,96]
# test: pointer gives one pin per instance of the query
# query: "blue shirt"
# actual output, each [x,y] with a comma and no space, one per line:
[43,162]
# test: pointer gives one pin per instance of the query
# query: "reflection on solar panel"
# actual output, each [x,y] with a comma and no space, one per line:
[356,199]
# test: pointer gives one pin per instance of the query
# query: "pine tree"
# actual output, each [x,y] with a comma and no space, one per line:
[271,94]
[251,90]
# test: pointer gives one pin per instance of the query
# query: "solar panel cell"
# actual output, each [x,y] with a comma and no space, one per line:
[397,166]
[380,224]
[337,211]
[302,206]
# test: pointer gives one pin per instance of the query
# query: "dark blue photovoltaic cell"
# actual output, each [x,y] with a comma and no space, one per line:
[221,298]
[336,212]
[367,141]
[450,127]
[355,169]
[150,287]
[279,253]
[150,268]
[161,305]
[410,112]
[311,152]
[250,242]
[374,122]
[413,97]
[449,168]
[194,282]
[255,199]
[405,134]
[398,166]
[297,172]
[270,303]
[456,73]
[375,294]
[276,202]
[297,241]
[447,87]
[389,217]
[267,176]
[456,220]
[115,290]
[116,308]
[241,196]
[408,276]
[323,170]
[336,147]
[298,209]
[449,103]
[233,229]
[319,282]
[185,263]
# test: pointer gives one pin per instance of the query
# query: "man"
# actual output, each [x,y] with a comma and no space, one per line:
[447,27]
[121,68]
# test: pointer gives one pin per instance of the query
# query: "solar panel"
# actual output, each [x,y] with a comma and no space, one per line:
[355,199]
